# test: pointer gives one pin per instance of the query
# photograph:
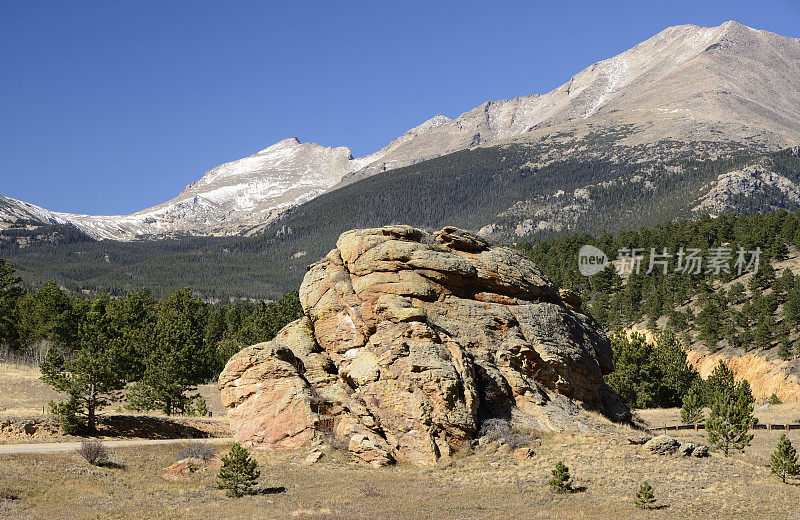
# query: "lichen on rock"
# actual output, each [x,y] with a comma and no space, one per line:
[409,341]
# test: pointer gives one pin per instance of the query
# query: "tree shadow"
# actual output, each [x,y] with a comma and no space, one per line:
[112,464]
[148,427]
[271,490]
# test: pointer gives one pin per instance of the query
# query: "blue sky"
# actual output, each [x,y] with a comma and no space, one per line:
[113,106]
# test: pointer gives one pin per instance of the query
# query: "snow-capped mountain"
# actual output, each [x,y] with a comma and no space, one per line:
[235,196]
[688,84]
[229,199]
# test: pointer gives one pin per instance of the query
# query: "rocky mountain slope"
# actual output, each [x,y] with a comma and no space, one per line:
[410,341]
[687,83]
[687,90]
[493,189]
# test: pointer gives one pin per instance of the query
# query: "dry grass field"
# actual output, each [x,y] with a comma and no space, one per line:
[23,397]
[476,484]
[22,393]
[766,414]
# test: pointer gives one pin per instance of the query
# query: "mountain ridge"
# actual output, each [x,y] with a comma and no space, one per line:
[494,190]
[687,83]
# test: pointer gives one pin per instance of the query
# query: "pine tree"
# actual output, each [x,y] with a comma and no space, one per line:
[784,459]
[134,317]
[177,358]
[8,278]
[677,376]
[9,294]
[268,318]
[677,321]
[764,277]
[764,331]
[635,370]
[561,481]
[791,307]
[736,293]
[606,281]
[708,324]
[721,377]
[238,473]
[692,409]
[648,374]
[645,497]
[92,376]
[774,399]
[778,251]
[785,350]
[49,315]
[730,418]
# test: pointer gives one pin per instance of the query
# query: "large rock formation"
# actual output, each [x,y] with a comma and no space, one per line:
[409,341]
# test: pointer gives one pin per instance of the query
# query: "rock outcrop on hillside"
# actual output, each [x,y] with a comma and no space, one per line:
[409,341]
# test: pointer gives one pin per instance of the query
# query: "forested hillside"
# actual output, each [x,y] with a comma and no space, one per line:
[716,309]
[505,190]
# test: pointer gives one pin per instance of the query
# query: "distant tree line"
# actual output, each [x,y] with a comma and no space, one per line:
[93,347]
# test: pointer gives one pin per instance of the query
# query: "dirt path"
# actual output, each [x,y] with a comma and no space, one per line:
[50,447]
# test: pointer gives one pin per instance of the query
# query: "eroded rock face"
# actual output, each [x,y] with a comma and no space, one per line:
[409,341]
[268,399]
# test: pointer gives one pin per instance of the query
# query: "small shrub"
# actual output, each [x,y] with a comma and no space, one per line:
[368,489]
[197,450]
[238,473]
[499,430]
[493,429]
[336,443]
[774,399]
[561,481]
[94,452]
[645,497]
[8,494]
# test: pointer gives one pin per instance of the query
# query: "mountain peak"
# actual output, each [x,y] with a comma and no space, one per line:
[685,84]
[732,27]
[734,23]
[289,142]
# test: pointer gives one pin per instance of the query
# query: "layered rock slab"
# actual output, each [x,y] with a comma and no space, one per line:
[409,341]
